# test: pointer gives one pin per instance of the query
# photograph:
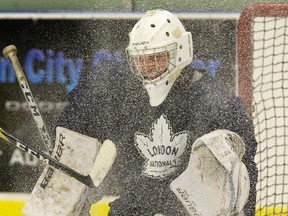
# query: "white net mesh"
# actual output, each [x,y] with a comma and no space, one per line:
[270,112]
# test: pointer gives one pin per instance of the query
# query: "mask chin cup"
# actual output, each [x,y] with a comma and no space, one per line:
[157,92]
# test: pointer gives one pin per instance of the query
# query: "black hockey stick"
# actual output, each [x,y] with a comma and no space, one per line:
[103,162]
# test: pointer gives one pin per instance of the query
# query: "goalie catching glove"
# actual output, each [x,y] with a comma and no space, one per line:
[216,182]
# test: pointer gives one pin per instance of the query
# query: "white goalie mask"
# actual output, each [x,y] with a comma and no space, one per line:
[159,49]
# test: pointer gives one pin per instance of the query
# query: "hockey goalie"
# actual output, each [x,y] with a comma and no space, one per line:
[215,182]
[171,159]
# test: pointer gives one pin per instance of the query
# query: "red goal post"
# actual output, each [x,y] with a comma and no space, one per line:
[262,66]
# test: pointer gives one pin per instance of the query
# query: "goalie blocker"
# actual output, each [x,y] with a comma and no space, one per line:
[216,182]
[57,194]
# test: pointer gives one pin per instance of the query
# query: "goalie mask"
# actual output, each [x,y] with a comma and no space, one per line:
[159,49]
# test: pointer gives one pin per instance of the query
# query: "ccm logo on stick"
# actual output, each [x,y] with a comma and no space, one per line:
[32,152]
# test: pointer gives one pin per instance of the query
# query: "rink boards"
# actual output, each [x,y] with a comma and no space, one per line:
[12,203]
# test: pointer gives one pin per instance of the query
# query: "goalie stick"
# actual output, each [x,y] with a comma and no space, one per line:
[102,164]
[10,53]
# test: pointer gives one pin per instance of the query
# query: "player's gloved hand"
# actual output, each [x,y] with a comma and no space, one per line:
[215,176]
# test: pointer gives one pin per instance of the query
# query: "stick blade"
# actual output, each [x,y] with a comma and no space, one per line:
[103,162]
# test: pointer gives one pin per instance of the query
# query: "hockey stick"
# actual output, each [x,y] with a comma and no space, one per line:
[10,53]
[102,164]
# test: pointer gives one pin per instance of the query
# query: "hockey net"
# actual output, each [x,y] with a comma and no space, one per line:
[262,58]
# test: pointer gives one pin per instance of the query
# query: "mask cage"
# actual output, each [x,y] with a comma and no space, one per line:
[151,65]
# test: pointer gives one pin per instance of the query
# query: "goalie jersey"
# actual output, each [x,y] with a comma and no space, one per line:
[154,143]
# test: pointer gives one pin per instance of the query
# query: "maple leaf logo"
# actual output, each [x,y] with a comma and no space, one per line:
[162,149]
